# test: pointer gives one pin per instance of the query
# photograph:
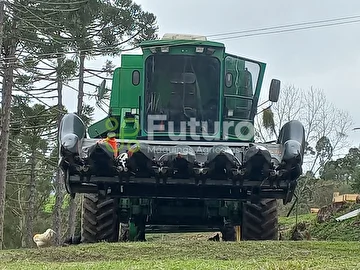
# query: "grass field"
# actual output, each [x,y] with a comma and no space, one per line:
[190,253]
[193,251]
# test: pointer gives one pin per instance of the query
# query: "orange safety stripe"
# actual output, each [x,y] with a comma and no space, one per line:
[113,144]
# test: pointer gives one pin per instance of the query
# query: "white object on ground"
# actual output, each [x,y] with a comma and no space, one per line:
[349,215]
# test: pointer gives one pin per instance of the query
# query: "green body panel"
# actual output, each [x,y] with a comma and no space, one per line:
[124,97]
[128,97]
[132,231]
[101,127]
[115,93]
[128,93]
[129,128]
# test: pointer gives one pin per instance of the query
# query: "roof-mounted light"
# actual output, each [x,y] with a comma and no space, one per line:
[170,36]
[165,49]
[200,49]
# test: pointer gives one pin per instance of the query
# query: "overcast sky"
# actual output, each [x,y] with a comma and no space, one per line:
[327,58]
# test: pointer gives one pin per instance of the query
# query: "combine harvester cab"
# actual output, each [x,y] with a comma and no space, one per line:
[177,147]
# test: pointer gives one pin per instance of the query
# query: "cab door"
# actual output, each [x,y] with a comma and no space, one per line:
[240,87]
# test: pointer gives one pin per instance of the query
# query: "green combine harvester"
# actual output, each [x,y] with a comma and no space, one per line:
[177,148]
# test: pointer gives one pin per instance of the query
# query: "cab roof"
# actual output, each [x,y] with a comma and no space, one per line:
[170,39]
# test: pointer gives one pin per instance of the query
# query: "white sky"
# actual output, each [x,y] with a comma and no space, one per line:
[327,58]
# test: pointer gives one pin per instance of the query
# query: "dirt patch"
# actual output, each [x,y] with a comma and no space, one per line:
[300,232]
[326,213]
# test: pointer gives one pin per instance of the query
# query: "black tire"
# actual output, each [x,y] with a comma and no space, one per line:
[260,220]
[100,220]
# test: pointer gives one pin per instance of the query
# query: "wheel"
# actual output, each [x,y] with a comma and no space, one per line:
[260,220]
[100,221]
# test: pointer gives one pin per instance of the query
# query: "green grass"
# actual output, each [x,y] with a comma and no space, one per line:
[347,230]
[288,222]
[193,251]
[189,254]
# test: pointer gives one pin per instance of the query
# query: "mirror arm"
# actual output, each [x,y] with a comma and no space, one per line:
[264,109]
[263,103]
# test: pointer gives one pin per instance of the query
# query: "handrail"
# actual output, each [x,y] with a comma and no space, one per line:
[237,96]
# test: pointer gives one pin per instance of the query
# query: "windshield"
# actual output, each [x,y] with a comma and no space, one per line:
[183,91]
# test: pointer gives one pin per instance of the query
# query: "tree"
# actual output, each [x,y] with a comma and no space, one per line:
[10,50]
[29,170]
[36,33]
[345,170]
[103,28]
[326,129]
[32,142]
[25,31]
[326,126]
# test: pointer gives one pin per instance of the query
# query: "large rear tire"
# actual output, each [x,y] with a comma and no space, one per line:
[260,220]
[100,221]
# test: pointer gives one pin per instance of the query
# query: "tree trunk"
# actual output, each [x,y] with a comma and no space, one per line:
[31,213]
[59,196]
[23,232]
[7,91]
[2,194]
[22,222]
[2,13]
[72,201]
[81,84]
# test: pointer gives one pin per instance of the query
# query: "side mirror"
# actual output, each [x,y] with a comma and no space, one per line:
[274,90]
